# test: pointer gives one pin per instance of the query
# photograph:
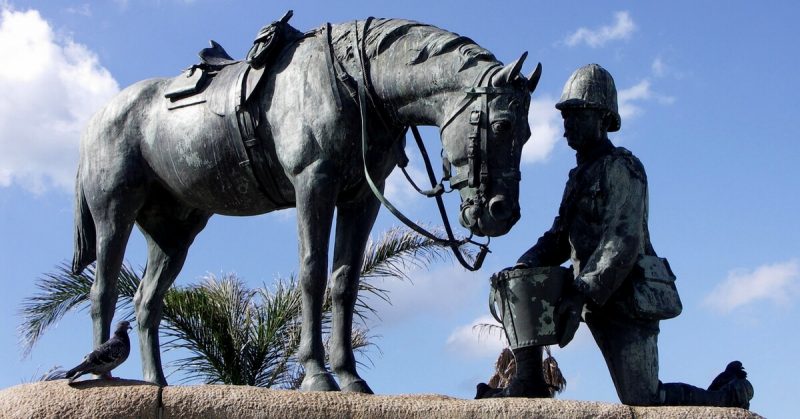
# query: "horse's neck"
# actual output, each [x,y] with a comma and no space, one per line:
[421,94]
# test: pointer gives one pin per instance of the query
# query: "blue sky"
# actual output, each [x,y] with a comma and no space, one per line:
[708,99]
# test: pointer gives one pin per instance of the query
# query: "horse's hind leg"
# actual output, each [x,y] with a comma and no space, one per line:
[170,228]
[113,209]
[353,224]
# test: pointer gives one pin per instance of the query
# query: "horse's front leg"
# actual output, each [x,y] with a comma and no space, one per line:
[315,190]
[353,224]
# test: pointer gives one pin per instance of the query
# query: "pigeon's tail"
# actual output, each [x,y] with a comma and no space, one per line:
[76,372]
[85,234]
[72,374]
[55,373]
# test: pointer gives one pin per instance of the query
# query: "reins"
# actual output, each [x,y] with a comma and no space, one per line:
[437,188]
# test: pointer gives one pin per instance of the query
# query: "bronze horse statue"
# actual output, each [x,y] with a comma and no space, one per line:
[169,167]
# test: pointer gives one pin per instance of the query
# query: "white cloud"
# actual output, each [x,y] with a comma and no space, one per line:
[546,130]
[658,67]
[630,99]
[284,215]
[470,342]
[776,283]
[622,28]
[439,292]
[50,89]
[582,339]
[83,10]
[397,189]
[661,68]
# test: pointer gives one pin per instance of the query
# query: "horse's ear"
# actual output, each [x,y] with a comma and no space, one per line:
[533,80]
[509,72]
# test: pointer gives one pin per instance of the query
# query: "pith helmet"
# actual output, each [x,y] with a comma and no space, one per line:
[591,86]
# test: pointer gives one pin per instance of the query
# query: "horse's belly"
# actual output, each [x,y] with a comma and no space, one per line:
[192,152]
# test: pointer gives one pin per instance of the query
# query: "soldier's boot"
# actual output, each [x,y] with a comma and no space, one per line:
[528,380]
[737,393]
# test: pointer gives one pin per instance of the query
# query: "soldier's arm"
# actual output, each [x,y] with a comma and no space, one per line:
[623,213]
[552,249]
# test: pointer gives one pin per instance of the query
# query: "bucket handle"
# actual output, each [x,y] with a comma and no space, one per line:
[493,302]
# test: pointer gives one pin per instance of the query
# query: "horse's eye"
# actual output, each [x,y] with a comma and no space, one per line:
[501,126]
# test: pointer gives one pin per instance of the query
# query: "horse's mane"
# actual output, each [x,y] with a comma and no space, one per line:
[383,33]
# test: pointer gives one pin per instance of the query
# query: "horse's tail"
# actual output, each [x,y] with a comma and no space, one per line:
[85,234]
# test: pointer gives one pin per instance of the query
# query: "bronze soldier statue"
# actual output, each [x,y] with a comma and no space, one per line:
[621,288]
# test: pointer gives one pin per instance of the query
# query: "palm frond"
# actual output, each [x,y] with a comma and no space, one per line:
[54,373]
[127,284]
[277,334]
[62,291]
[505,368]
[485,330]
[399,249]
[552,374]
[199,319]
[235,335]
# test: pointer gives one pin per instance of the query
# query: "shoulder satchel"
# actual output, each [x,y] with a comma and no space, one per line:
[655,296]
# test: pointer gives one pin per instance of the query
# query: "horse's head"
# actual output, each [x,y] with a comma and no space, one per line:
[482,140]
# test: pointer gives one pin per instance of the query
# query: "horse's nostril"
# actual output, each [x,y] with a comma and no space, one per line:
[499,208]
[469,216]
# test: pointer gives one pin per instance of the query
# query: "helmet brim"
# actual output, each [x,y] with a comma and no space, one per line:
[613,126]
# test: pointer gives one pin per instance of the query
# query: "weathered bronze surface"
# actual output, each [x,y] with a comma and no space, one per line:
[621,288]
[293,141]
[524,302]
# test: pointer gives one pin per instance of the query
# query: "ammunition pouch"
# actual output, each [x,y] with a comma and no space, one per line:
[524,301]
[654,295]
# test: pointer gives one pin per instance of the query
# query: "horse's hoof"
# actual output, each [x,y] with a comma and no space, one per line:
[157,379]
[322,381]
[357,386]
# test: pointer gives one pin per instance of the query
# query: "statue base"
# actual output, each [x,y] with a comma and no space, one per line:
[127,398]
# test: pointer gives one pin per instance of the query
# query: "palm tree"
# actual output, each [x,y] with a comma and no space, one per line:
[233,334]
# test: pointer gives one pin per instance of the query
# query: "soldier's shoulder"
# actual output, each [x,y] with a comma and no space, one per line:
[624,157]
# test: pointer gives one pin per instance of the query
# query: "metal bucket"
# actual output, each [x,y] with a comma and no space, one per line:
[524,302]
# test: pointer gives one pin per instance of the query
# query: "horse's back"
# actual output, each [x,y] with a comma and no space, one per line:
[110,149]
[194,148]
[125,113]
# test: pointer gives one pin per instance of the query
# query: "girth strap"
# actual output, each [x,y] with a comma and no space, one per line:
[330,64]
[259,158]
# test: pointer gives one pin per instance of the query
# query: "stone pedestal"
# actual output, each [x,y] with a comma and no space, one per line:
[124,398]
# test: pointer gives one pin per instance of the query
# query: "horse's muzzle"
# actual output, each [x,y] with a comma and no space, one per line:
[492,218]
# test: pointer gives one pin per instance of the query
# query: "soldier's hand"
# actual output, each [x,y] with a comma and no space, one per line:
[519,265]
[569,318]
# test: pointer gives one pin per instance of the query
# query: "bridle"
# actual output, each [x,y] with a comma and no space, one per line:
[478,175]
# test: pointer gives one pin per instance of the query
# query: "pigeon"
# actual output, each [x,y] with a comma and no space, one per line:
[733,371]
[105,357]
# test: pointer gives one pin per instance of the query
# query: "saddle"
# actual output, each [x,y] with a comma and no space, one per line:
[226,86]
[268,42]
